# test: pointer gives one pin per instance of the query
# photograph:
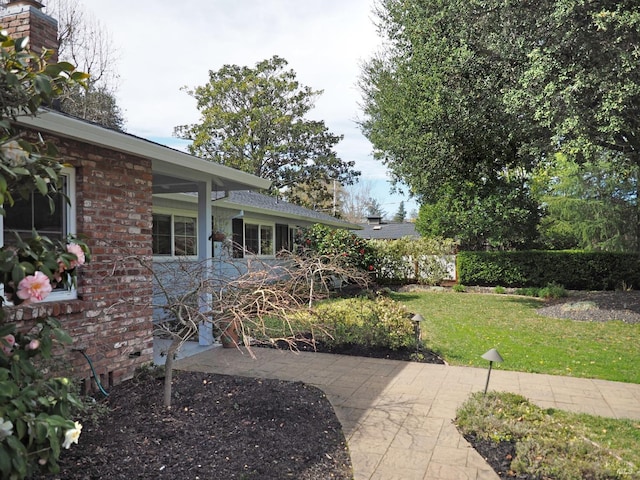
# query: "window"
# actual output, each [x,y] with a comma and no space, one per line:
[283,238]
[174,235]
[258,239]
[35,213]
[253,238]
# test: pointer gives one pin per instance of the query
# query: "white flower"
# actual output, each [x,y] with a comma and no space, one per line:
[72,435]
[14,154]
[6,428]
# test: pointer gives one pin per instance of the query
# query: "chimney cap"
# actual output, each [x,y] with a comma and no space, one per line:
[32,3]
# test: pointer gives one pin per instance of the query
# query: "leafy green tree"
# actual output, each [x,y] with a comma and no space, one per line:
[582,84]
[590,206]
[434,111]
[482,91]
[401,214]
[432,104]
[374,209]
[253,119]
[504,218]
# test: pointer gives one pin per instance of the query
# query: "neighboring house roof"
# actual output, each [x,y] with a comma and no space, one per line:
[387,231]
[173,171]
[266,204]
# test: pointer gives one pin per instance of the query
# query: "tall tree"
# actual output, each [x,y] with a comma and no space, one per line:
[85,42]
[481,91]
[401,214]
[253,119]
[432,103]
[582,84]
[590,206]
[374,209]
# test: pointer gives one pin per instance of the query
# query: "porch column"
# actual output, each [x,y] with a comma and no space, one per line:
[205,330]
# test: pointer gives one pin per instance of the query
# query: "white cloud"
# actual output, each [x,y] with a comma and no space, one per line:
[166,44]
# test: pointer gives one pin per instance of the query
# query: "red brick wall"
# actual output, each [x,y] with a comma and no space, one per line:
[112,318]
[23,20]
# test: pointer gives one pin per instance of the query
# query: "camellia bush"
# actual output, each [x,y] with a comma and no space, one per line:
[35,411]
[324,240]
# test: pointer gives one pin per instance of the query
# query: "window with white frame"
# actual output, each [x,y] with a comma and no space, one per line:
[35,213]
[174,235]
[258,239]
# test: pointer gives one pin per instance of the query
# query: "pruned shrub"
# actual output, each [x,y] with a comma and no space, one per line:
[375,323]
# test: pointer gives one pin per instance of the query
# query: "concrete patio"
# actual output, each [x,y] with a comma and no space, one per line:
[397,416]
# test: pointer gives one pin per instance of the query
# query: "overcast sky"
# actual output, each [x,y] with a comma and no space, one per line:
[164,45]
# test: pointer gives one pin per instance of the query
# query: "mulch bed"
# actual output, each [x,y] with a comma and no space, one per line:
[219,426]
[241,428]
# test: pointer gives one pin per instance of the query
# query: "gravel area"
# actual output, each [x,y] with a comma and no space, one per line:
[596,306]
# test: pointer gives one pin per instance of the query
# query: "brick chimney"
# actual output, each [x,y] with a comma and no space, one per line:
[25,18]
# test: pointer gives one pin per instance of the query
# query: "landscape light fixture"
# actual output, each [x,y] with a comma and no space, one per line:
[493,356]
[417,319]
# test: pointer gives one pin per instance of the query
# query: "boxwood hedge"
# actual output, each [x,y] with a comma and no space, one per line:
[575,270]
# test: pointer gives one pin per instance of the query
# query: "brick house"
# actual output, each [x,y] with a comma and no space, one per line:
[123,190]
[110,180]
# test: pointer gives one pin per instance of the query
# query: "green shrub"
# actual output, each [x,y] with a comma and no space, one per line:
[324,240]
[372,323]
[528,291]
[422,260]
[459,288]
[575,270]
[499,290]
[35,412]
[552,290]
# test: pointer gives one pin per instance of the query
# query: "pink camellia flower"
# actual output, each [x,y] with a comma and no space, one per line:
[34,288]
[33,344]
[78,252]
[8,341]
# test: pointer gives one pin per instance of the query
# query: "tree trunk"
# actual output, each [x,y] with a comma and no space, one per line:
[636,162]
[168,370]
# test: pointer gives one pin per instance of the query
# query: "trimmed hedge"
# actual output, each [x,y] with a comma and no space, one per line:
[571,269]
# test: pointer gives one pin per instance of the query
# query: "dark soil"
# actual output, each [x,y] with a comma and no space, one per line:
[219,427]
[499,455]
[224,427]
[404,354]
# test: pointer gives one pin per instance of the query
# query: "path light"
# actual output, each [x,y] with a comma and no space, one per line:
[416,319]
[493,356]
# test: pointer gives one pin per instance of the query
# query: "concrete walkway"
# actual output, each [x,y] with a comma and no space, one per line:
[397,416]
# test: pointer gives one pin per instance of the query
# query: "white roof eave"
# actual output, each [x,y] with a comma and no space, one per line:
[223,202]
[164,159]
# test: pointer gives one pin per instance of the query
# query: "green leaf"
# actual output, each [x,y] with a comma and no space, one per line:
[21,428]
[21,171]
[43,85]
[21,43]
[5,461]
[18,273]
[62,336]
[40,184]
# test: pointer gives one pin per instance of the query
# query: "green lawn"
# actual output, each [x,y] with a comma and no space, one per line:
[462,326]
